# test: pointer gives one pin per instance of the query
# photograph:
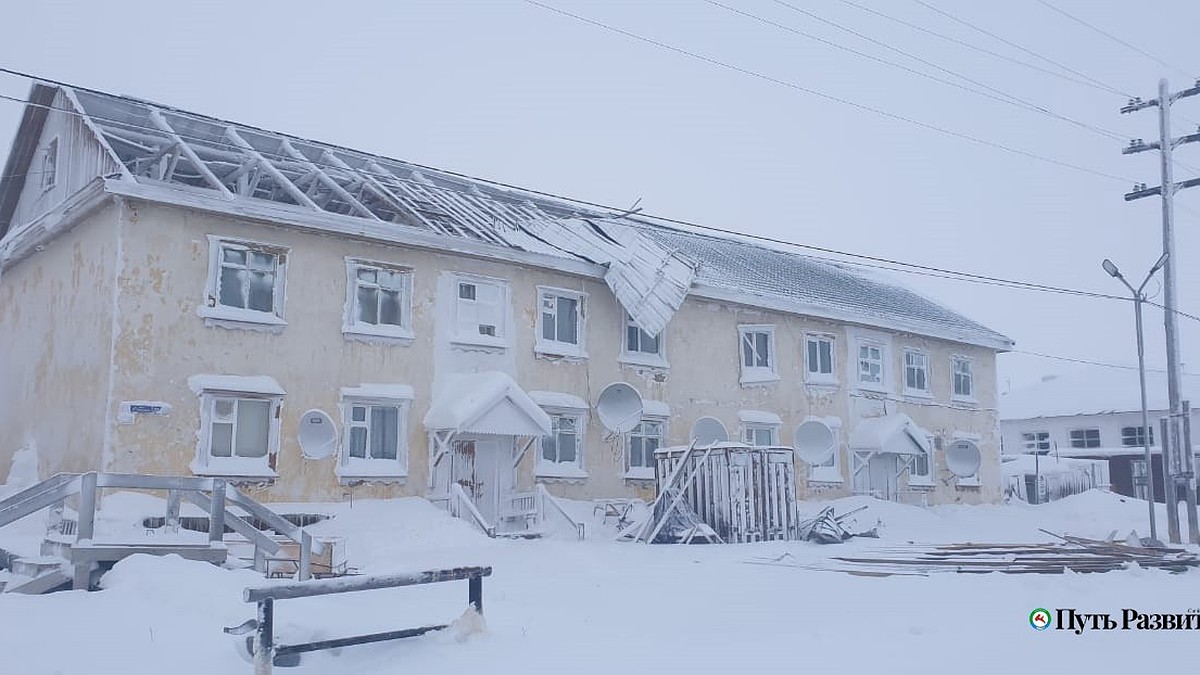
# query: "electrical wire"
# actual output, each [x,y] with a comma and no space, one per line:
[1014,45]
[1114,38]
[813,92]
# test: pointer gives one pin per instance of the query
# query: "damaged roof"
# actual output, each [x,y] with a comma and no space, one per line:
[650,267]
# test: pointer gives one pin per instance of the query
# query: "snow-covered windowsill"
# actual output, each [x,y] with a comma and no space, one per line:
[640,473]
[921,484]
[235,467]
[480,342]
[559,350]
[236,317]
[970,482]
[643,360]
[396,335]
[758,376]
[825,475]
[559,472]
[965,401]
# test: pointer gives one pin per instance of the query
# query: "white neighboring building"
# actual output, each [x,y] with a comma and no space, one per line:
[1092,413]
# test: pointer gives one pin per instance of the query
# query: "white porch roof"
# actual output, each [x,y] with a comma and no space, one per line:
[485,403]
[892,434]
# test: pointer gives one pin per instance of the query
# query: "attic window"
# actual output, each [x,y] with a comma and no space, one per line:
[50,165]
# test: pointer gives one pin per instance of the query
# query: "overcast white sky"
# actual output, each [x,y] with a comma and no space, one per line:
[506,90]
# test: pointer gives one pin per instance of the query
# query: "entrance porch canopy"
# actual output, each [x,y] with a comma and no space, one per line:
[894,434]
[485,403]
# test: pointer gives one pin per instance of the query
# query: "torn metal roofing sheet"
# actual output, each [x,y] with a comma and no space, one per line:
[650,267]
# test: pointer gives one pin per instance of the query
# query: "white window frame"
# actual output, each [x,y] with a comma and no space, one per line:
[641,358]
[830,472]
[1084,438]
[970,372]
[50,156]
[927,392]
[549,347]
[501,340]
[1136,436]
[857,338]
[758,374]
[205,464]
[924,479]
[365,468]
[542,468]
[869,383]
[1039,437]
[217,314]
[352,327]
[817,377]
[750,432]
[644,472]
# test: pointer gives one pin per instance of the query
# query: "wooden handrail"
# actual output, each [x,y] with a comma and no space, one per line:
[545,496]
[459,498]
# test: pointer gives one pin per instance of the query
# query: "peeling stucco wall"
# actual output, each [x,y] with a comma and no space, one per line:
[162,341]
[55,320]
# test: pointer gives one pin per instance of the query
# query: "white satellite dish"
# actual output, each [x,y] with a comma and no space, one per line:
[709,430]
[814,442]
[619,408]
[317,435]
[963,458]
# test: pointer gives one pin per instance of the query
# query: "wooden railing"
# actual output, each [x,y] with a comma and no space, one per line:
[545,499]
[461,506]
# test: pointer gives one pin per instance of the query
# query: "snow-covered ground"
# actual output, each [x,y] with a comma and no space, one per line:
[562,606]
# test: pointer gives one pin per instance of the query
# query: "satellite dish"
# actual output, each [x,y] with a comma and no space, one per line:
[619,407]
[317,435]
[814,442]
[709,430]
[963,458]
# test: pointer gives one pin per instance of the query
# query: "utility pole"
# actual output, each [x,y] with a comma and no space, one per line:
[1166,145]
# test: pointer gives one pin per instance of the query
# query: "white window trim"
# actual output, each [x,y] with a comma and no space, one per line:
[821,378]
[881,340]
[925,481]
[576,471]
[760,426]
[828,475]
[204,464]
[1099,438]
[1025,444]
[554,347]
[758,374]
[927,392]
[349,468]
[957,397]
[49,179]
[237,317]
[351,328]
[645,359]
[501,341]
[644,472]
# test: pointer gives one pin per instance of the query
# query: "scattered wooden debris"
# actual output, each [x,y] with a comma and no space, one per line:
[828,527]
[1077,554]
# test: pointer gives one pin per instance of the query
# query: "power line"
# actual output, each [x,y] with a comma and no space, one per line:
[982,50]
[829,97]
[1014,45]
[1003,97]
[1114,38]
[1085,361]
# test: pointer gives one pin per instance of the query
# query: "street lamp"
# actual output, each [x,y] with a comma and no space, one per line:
[1139,297]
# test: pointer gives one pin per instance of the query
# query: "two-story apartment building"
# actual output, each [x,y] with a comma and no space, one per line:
[1093,413]
[181,294]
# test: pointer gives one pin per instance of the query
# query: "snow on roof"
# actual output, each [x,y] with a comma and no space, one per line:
[652,408]
[1047,465]
[759,417]
[895,433]
[487,403]
[218,159]
[1090,390]
[248,384]
[557,399]
[380,391]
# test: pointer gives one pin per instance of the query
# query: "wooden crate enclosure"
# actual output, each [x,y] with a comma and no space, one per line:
[743,493]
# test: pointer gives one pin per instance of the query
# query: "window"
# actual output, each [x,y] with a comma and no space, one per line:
[379,301]
[1136,436]
[963,379]
[920,472]
[375,443]
[245,282]
[760,435]
[640,347]
[562,450]
[480,309]
[870,363]
[1085,438]
[239,434]
[645,438]
[916,372]
[560,322]
[50,165]
[1036,441]
[818,359]
[1140,476]
[757,346]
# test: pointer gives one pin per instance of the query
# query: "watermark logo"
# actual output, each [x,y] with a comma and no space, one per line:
[1039,618]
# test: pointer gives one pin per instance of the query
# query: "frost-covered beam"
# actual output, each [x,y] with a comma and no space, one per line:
[329,181]
[186,150]
[282,180]
[381,191]
[91,125]
[406,198]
